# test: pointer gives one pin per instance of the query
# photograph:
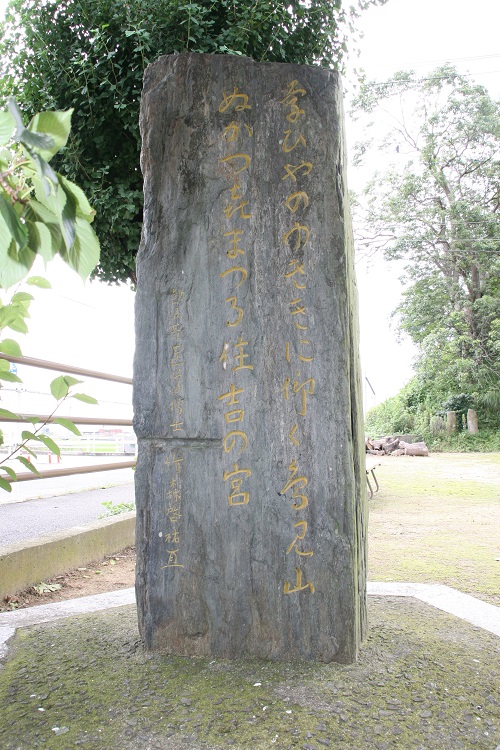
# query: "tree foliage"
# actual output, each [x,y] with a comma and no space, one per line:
[41,213]
[91,54]
[437,208]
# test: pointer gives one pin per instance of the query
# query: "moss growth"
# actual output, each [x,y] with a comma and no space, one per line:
[424,679]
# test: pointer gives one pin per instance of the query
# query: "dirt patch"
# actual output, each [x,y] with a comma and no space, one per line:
[112,573]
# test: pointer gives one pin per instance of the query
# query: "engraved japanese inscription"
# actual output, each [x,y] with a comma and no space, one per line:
[250,490]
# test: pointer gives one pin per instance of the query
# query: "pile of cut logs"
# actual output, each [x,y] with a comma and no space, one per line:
[395,447]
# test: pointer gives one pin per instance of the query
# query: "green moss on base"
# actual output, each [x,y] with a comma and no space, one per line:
[424,679]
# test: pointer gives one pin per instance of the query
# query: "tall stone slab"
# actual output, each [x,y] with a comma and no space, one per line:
[250,477]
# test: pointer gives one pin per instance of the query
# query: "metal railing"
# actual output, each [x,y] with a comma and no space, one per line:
[48,418]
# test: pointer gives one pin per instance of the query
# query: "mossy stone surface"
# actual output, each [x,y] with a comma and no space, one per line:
[425,680]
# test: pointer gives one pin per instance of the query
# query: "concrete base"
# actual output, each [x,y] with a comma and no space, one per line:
[445,598]
[24,564]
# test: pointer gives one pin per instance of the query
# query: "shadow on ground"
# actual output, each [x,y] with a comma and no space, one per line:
[425,681]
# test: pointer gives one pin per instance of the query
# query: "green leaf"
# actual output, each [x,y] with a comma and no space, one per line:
[61,385]
[10,472]
[68,424]
[14,266]
[17,230]
[8,313]
[26,435]
[83,397]
[11,348]
[28,450]
[6,414]
[28,465]
[19,325]
[71,381]
[21,297]
[41,211]
[4,365]
[33,420]
[5,485]
[39,216]
[7,127]
[41,240]
[69,218]
[51,445]
[59,388]
[10,377]
[48,176]
[22,134]
[56,125]
[5,237]
[84,255]
[39,281]
[83,207]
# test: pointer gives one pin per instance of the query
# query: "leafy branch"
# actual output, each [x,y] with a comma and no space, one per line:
[41,213]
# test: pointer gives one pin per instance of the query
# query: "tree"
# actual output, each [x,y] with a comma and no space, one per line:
[437,208]
[91,54]
[41,213]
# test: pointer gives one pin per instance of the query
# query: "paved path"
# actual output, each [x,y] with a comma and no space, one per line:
[27,520]
[22,491]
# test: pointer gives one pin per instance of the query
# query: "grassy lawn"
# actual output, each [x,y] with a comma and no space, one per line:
[437,520]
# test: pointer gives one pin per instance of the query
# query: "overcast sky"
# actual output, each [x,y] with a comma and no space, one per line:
[420,36]
[91,325]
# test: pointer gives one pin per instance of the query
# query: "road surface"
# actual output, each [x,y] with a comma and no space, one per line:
[31,518]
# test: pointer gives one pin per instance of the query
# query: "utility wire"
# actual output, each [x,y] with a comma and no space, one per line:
[427,79]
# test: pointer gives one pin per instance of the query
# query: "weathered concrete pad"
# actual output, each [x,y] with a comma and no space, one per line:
[423,680]
[250,484]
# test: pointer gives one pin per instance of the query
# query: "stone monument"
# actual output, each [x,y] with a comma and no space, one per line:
[250,480]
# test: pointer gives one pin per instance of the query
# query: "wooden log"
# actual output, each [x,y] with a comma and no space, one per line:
[379,443]
[416,449]
[391,446]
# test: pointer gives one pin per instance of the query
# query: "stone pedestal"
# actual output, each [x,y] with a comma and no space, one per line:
[472,421]
[250,482]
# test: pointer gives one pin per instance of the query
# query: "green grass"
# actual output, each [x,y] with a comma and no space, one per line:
[436,520]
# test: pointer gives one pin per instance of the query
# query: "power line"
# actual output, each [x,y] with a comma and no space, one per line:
[427,79]
[442,60]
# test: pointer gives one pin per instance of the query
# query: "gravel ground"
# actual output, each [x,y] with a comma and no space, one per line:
[424,681]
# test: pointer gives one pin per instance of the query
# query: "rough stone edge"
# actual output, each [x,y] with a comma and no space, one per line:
[478,613]
[25,563]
